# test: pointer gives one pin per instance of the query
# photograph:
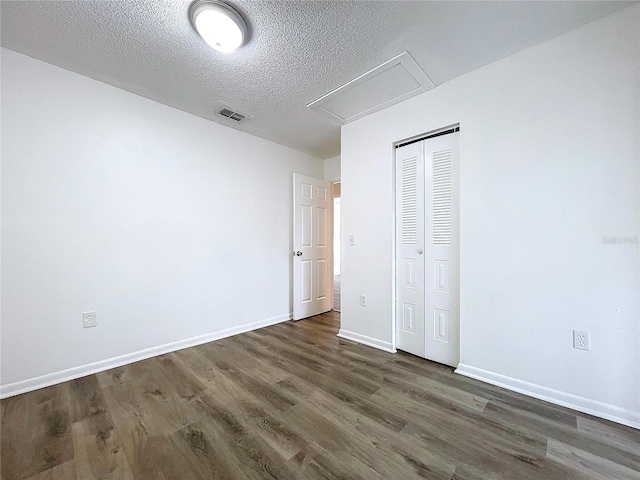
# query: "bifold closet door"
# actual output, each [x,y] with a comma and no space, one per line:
[427,249]
[410,268]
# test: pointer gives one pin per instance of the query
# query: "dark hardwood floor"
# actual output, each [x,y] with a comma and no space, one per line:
[293,401]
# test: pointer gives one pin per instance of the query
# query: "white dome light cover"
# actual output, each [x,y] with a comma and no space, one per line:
[220,25]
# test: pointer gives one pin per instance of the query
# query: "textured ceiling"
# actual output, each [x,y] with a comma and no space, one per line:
[299,50]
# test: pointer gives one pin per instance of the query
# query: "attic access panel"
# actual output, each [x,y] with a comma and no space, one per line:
[386,85]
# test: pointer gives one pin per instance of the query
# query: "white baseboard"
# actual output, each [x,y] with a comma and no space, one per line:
[370,341]
[575,402]
[36,383]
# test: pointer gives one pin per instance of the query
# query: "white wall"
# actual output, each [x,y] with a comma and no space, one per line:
[170,226]
[332,169]
[550,160]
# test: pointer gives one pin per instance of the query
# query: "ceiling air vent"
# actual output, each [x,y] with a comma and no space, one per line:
[227,112]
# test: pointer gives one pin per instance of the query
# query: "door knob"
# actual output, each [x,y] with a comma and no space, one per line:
[298,253]
[419,252]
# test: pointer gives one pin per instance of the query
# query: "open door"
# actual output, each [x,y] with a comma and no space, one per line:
[312,246]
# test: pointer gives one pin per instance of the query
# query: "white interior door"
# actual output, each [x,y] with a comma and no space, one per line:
[427,249]
[312,246]
[410,273]
[442,250]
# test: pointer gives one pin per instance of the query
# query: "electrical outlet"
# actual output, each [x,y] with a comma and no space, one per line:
[89,319]
[352,240]
[580,340]
[363,300]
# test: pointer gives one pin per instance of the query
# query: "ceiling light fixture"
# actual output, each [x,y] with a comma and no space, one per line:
[219,24]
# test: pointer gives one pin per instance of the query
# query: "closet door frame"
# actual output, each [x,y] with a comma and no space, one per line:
[439,255]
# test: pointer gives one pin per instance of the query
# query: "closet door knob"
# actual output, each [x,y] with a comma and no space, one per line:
[419,252]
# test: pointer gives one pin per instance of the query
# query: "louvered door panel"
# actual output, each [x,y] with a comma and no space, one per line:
[409,190]
[441,212]
[441,251]
[410,211]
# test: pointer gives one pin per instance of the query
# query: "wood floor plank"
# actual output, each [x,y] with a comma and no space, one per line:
[304,386]
[331,377]
[182,381]
[319,467]
[402,453]
[194,361]
[269,363]
[114,376]
[66,471]
[334,361]
[587,465]
[525,421]
[151,457]
[257,457]
[86,398]
[618,436]
[432,392]
[197,455]
[294,401]
[332,442]
[130,429]
[98,452]
[36,432]
[474,447]
[259,418]
[257,387]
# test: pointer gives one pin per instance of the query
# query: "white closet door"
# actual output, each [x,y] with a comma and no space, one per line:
[427,249]
[410,272]
[442,250]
